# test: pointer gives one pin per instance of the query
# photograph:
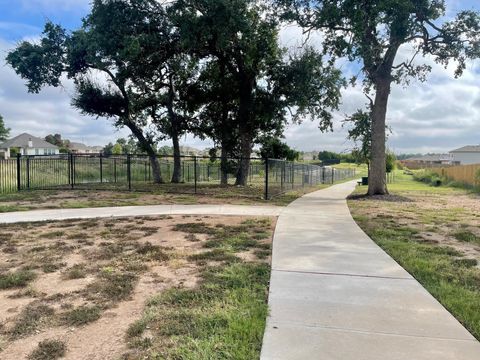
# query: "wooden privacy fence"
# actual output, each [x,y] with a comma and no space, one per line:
[469,174]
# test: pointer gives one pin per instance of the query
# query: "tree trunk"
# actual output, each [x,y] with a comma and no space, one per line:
[156,173]
[245,114]
[377,179]
[177,161]
[223,166]
[244,162]
[148,148]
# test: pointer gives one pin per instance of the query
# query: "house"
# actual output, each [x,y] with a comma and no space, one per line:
[429,160]
[466,155]
[27,144]
[79,148]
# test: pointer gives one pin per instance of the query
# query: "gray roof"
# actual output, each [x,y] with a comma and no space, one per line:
[77,146]
[21,141]
[468,148]
[432,157]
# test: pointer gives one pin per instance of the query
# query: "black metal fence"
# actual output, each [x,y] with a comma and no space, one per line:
[267,177]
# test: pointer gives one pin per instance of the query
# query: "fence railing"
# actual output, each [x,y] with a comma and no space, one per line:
[283,176]
[267,177]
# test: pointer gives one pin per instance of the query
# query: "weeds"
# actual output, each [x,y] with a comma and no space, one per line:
[31,318]
[19,278]
[82,315]
[48,350]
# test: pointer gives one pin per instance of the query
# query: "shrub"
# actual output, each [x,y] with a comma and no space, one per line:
[48,350]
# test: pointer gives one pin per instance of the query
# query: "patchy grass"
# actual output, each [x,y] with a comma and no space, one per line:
[32,317]
[48,350]
[222,318]
[467,236]
[75,272]
[85,270]
[433,236]
[112,286]
[19,278]
[82,315]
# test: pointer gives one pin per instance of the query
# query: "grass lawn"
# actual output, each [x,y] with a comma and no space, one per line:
[360,170]
[434,233]
[182,287]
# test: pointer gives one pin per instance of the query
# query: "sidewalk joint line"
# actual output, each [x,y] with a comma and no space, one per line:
[274,322]
[343,274]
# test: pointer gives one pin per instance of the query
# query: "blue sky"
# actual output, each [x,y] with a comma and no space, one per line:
[438,115]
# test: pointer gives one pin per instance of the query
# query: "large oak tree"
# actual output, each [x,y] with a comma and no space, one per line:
[112,58]
[241,37]
[371,33]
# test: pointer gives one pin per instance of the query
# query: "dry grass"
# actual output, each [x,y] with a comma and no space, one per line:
[86,281]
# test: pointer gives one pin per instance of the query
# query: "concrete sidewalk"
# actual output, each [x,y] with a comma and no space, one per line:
[126,211]
[334,294]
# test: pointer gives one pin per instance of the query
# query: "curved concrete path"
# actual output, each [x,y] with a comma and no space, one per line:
[124,211]
[335,295]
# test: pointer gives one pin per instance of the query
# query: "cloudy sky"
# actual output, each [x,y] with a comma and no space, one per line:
[436,116]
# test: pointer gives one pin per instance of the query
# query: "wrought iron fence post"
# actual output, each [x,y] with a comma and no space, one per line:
[292,173]
[129,174]
[101,168]
[19,186]
[28,172]
[72,170]
[195,173]
[266,178]
[303,175]
[115,170]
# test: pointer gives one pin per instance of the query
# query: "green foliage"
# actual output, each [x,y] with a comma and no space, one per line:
[390,161]
[329,156]
[274,148]
[467,236]
[4,131]
[361,134]
[117,149]
[428,177]
[19,278]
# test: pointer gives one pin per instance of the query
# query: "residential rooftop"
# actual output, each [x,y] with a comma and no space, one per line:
[21,141]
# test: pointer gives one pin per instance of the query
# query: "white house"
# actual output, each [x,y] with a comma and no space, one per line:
[466,155]
[27,144]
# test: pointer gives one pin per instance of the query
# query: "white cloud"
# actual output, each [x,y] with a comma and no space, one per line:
[55,5]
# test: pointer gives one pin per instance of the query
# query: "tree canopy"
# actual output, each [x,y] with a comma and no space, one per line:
[274,148]
[4,131]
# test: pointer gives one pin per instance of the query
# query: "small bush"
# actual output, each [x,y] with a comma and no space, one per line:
[15,279]
[466,236]
[48,350]
[82,315]
[428,177]
[31,318]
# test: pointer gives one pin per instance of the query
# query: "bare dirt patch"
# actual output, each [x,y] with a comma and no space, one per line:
[91,278]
